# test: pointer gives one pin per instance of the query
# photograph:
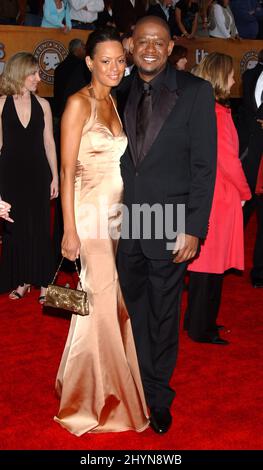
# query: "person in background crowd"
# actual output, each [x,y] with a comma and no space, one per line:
[126,43]
[28,178]
[127,12]
[251,116]
[170,160]
[164,9]
[223,247]
[247,14]
[186,15]
[221,21]
[105,17]
[9,11]
[260,20]
[63,72]
[31,12]
[56,14]
[179,57]
[98,378]
[84,13]
[203,23]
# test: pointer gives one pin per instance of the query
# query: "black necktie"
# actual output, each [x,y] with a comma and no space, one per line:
[144,112]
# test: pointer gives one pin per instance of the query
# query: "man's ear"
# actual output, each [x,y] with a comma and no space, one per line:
[131,45]
[170,47]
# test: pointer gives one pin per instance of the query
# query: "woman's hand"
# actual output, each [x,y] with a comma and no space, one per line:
[65,29]
[4,211]
[70,246]
[54,188]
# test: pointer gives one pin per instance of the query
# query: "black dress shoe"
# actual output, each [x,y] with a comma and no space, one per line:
[160,420]
[213,340]
[257,281]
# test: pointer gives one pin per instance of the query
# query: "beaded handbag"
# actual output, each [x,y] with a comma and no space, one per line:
[65,298]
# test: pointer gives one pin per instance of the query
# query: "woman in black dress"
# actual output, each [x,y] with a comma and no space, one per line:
[186,16]
[28,178]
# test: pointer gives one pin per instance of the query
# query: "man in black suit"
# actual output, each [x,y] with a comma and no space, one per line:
[164,9]
[169,164]
[251,139]
[64,71]
[127,12]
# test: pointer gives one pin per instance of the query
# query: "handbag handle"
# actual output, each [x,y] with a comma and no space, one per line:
[77,271]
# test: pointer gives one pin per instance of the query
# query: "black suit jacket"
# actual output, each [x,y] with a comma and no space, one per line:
[125,15]
[249,80]
[250,131]
[179,156]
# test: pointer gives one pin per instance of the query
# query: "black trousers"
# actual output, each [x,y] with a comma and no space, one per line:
[256,204]
[152,292]
[204,298]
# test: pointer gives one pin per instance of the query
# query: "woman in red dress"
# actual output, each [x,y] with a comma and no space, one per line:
[223,247]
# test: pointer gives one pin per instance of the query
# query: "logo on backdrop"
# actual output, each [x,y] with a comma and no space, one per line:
[248,61]
[199,55]
[49,54]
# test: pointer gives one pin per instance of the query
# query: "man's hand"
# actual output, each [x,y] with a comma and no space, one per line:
[185,248]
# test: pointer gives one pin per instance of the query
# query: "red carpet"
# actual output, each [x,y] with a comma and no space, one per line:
[219,389]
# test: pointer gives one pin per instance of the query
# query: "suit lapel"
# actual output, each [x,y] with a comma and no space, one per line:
[162,109]
[166,101]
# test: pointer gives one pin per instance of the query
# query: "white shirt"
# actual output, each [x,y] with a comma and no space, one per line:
[85,10]
[259,90]
[132,2]
[220,30]
[165,9]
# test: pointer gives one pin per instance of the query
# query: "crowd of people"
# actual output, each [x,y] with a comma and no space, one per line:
[158,138]
[188,18]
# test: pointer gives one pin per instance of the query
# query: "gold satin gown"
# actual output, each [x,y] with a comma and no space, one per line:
[98,378]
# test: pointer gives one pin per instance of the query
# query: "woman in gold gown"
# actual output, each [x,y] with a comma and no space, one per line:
[98,379]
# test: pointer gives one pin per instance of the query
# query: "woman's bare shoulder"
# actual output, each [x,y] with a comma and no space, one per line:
[80,102]
[43,103]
